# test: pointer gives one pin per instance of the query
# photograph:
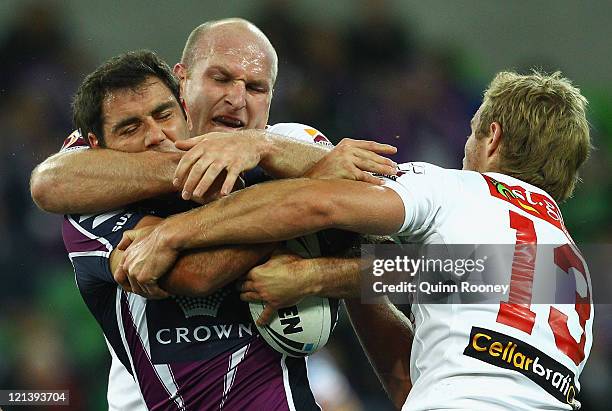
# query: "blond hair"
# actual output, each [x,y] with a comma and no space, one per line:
[545,133]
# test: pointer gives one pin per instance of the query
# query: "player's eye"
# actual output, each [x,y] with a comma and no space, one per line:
[164,115]
[258,88]
[128,131]
[220,79]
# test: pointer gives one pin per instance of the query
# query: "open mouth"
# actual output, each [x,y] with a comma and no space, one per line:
[227,121]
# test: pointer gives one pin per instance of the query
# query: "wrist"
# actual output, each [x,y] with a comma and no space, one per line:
[265,143]
[171,236]
[168,162]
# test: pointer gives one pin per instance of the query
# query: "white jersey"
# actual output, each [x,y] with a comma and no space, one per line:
[300,132]
[513,355]
[123,393]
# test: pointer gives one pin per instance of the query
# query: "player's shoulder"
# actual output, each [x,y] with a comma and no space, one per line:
[101,222]
[429,184]
[449,179]
[419,170]
[89,240]
[300,132]
[101,231]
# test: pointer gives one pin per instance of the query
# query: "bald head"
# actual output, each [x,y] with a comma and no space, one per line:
[234,36]
[227,74]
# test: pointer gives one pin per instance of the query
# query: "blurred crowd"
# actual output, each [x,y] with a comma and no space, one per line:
[369,79]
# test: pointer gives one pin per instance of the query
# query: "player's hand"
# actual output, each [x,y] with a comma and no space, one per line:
[211,154]
[121,278]
[355,160]
[280,282]
[145,260]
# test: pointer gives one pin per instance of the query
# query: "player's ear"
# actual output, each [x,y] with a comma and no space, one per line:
[187,115]
[494,139]
[93,140]
[180,71]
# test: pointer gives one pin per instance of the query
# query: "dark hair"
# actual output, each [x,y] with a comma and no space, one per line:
[125,71]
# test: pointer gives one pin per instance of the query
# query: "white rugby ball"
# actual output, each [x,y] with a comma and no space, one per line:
[299,330]
[302,329]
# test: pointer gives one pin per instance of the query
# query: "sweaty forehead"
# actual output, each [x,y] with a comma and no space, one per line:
[127,102]
[237,53]
[124,95]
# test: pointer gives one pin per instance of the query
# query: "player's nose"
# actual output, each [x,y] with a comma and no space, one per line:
[155,135]
[236,94]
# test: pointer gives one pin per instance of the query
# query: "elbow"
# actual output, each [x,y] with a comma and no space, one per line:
[42,186]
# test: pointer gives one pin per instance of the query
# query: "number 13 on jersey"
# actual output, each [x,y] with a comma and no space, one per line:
[516,312]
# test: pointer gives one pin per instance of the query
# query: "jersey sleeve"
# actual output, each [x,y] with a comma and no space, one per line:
[300,132]
[73,142]
[424,190]
[295,131]
[90,239]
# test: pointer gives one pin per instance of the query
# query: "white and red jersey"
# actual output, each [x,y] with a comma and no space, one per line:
[301,132]
[512,355]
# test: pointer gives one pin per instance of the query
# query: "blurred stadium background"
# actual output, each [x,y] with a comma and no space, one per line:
[409,73]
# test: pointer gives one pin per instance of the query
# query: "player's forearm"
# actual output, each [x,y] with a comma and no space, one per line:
[263,213]
[202,272]
[96,180]
[289,158]
[386,337]
[282,210]
[331,277]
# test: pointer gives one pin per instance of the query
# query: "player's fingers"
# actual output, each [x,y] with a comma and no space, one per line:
[184,166]
[372,166]
[127,288]
[154,292]
[136,289]
[121,278]
[207,179]
[370,145]
[230,180]
[189,143]
[250,297]
[266,315]
[371,155]
[119,275]
[369,178]
[381,148]
[194,179]
[126,240]
[247,285]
